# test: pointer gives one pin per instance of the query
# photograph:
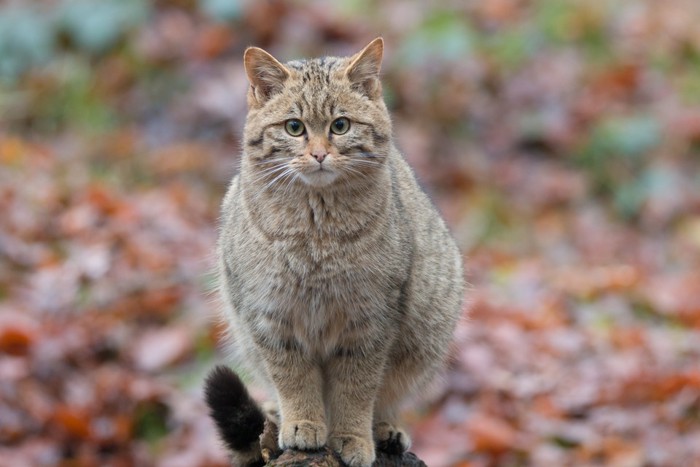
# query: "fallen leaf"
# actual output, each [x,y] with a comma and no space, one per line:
[75,423]
[159,348]
[17,334]
[491,434]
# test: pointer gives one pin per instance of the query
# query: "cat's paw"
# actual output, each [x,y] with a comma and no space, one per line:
[391,439]
[303,434]
[354,450]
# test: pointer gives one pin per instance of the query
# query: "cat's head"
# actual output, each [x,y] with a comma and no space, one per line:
[315,122]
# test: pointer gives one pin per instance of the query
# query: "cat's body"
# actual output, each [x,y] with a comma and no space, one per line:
[342,283]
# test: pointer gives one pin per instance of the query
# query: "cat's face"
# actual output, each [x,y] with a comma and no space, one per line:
[315,122]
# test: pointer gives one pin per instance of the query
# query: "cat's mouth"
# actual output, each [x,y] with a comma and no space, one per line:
[320,177]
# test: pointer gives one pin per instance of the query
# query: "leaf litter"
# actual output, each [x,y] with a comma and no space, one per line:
[559,139]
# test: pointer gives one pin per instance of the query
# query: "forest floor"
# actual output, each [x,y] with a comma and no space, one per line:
[561,140]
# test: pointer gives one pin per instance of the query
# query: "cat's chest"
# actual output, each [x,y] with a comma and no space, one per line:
[323,271]
[319,270]
[322,274]
[320,237]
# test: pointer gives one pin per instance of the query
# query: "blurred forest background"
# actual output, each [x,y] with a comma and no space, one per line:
[561,139]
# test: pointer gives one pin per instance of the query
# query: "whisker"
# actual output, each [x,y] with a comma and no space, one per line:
[365,161]
[271,172]
[361,163]
[278,177]
[290,181]
[272,169]
[369,155]
[278,164]
[352,169]
[267,161]
[286,189]
[364,166]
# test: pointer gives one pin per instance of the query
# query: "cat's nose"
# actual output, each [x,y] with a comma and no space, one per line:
[319,155]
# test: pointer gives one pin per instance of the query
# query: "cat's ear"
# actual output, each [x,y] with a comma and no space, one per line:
[265,73]
[363,71]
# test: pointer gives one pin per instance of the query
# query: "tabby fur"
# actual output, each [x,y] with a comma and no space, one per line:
[341,281]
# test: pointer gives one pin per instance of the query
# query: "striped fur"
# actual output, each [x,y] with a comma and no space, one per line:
[342,282]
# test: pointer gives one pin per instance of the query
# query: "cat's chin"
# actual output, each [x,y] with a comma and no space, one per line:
[318,178]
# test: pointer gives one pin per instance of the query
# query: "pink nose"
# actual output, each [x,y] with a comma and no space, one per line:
[319,155]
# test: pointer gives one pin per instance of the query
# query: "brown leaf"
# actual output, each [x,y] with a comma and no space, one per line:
[12,151]
[212,41]
[656,386]
[17,334]
[72,421]
[686,125]
[620,80]
[588,282]
[491,434]
[677,295]
[157,349]
[498,10]
[186,157]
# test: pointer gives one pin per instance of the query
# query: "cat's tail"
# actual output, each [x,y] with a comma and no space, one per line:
[238,418]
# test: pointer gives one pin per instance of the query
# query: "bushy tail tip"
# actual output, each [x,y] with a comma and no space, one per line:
[238,418]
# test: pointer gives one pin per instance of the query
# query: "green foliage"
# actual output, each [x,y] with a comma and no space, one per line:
[581,23]
[95,26]
[29,36]
[493,223]
[222,10]
[151,421]
[615,155]
[629,137]
[512,46]
[631,195]
[72,100]
[443,35]
[686,77]
[26,41]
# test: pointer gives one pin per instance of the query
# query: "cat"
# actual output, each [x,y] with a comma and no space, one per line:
[341,281]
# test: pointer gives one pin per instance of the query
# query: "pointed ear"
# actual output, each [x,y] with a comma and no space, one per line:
[265,73]
[363,71]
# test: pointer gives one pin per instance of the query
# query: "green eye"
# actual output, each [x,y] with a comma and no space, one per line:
[294,127]
[340,126]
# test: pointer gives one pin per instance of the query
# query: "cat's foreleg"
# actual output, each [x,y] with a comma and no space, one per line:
[299,385]
[353,382]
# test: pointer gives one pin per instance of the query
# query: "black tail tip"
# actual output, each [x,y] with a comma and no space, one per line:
[238,418]
[221,386]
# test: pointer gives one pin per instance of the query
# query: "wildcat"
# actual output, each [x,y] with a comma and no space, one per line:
[342,284]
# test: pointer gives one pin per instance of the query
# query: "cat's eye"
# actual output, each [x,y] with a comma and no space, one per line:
[294,127]
[340,126]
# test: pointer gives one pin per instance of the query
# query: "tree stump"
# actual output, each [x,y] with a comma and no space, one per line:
[324,457]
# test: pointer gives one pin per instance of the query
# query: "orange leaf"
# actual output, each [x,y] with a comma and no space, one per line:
[491,434]
[17,335]
[15,341]
[12,151]
[72,421]
[213,41]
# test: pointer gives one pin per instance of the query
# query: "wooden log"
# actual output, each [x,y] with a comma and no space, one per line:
[328,458]
[324,457]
